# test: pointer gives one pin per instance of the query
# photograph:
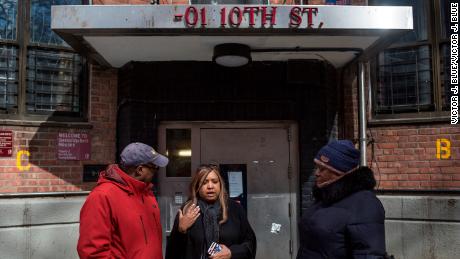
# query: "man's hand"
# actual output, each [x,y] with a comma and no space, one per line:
[225,253]
[187,219]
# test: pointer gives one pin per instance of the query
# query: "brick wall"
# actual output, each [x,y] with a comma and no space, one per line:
[349,118]
[406,158]
[103,113]
[46,173]
[403,156]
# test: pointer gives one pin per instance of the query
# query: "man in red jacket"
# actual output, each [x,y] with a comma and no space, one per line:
[121,218]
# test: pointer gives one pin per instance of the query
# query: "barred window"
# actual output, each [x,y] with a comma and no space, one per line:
[40,21]
[51,73]
[8,55]
[445,76]
[52,81]
[445,55]
[8,15]
[404,80]
[408,75]
[8,78]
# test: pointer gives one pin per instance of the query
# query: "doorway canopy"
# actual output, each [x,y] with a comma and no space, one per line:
[115,35]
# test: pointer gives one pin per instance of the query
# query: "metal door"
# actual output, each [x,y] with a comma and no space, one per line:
[266,154]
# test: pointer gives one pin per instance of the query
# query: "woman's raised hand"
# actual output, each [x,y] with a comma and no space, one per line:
[188,217]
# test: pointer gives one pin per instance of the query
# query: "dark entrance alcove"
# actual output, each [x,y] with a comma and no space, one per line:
[304,91]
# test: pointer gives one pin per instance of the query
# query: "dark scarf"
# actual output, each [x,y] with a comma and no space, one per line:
[361,179]
[211,214]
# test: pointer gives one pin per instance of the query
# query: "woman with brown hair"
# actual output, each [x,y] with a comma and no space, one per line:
[210,216]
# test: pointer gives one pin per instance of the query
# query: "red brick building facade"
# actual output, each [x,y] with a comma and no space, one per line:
[46,173]
[404,153]
[415,154]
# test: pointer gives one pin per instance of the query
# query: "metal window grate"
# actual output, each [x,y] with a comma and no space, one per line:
[40,21]
[8,21]
[8,78]
[446,93]
[53,81]
[445,19]
[404,81]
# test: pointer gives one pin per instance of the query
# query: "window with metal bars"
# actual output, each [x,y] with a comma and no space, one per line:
[8,19]
[410,75]
[50,81]
[404,81]
[53,82]
[444,49]
[8,56]
[8,78]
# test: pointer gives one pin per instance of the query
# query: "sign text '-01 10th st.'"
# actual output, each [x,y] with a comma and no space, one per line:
[232,17]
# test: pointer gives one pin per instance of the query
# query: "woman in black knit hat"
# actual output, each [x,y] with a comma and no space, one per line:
[347,219]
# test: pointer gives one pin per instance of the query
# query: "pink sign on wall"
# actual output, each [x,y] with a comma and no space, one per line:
[73,146]
[6,143]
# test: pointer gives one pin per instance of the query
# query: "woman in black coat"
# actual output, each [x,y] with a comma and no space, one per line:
[347,219]
[209,216]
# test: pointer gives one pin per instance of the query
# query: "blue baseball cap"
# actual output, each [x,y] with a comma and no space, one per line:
[136,154]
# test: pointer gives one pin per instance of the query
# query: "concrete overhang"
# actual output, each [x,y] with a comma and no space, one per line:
[115,35]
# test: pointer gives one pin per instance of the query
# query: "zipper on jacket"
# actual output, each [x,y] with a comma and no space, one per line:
[143,228]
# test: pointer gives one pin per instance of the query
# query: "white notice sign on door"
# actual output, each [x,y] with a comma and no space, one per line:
[235,183]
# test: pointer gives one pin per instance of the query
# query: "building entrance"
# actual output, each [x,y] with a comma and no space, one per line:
[259,164]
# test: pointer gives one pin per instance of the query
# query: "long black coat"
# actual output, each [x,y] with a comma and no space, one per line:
[235,233]
[347,221]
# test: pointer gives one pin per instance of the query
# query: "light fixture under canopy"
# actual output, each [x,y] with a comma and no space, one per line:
[232,54]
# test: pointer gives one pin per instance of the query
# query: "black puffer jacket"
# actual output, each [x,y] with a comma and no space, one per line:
[347,220]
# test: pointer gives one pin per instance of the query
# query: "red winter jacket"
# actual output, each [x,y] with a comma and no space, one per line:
[120,219]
